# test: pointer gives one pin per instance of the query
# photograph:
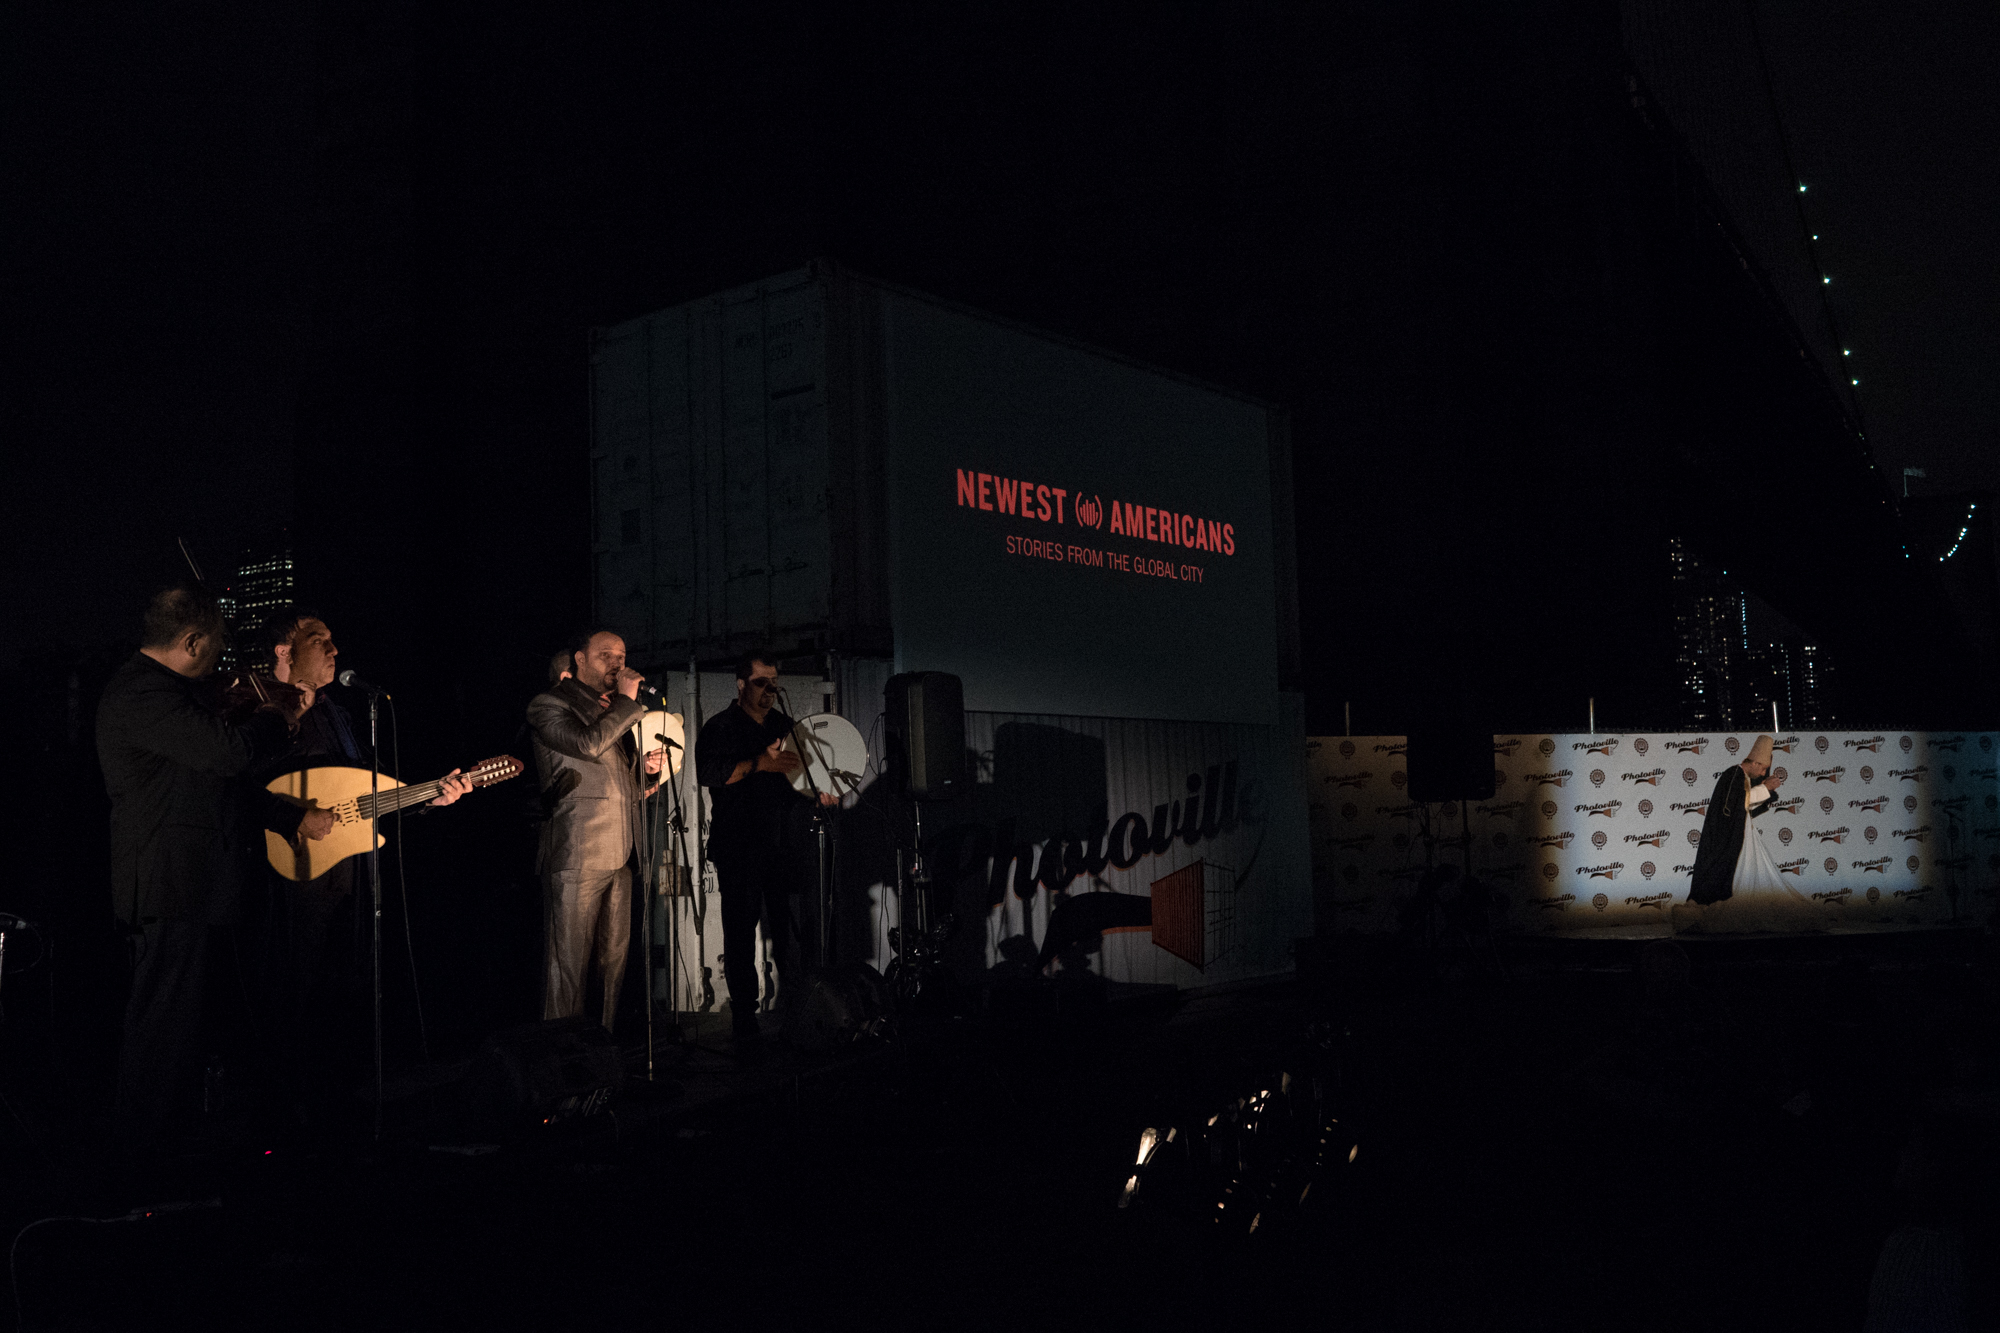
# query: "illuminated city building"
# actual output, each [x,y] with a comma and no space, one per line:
[1734,656]
[263,584]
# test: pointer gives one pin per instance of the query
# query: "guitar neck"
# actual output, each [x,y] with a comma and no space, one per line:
[391,799]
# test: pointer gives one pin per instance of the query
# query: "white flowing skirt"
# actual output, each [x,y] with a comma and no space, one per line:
[1759,898]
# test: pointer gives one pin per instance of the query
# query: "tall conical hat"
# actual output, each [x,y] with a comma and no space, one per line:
[1760,751]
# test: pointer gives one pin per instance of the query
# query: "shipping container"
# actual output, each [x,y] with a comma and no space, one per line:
[866,480]
[745,475]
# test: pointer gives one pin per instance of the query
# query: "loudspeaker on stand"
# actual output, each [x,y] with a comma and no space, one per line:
[924,716]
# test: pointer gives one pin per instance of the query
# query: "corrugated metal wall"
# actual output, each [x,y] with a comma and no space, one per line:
[710,473]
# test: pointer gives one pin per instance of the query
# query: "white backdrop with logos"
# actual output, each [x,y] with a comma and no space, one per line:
[1132,802]
[1128,807]
[1588,832]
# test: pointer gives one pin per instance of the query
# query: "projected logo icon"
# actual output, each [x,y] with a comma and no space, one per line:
[1090,512]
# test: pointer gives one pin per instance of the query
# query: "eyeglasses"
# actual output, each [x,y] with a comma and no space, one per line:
[762,682]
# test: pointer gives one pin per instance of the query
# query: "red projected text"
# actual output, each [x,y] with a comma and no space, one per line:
[1020,498]
[1090,557]
[1007,495]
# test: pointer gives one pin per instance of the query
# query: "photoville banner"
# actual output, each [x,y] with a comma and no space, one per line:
[1583,832]
[1134,850]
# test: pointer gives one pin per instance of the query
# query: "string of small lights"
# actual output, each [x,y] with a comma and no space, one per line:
[1960,539]
[1805,223]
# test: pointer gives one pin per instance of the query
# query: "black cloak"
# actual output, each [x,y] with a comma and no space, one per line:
[1729,815]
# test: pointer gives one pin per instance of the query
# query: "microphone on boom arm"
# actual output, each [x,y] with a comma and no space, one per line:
[354,682]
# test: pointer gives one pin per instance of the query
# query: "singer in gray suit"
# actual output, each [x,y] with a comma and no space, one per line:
[582,726]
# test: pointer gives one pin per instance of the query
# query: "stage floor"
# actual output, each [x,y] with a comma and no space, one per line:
[1665,930]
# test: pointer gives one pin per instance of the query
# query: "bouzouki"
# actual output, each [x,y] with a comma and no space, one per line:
[345,792]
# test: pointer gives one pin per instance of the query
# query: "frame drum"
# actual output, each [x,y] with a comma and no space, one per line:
[834,753]
[648,730]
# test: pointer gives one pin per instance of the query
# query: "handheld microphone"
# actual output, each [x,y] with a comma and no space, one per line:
[355,682]
[653,690]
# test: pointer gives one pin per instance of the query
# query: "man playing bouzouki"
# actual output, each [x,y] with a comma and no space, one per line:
[301,956]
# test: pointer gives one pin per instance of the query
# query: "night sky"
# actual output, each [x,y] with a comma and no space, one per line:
[1886,106]
[334,270]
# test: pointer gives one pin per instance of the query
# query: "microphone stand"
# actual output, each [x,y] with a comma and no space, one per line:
[646,868]
[677,824]
[650,876]
[698,862]
[822,906]
[375,886]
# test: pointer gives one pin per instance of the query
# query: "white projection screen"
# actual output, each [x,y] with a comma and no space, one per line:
[1073,534]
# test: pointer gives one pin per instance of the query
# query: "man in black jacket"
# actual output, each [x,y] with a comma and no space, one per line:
[741,759]
[185,845]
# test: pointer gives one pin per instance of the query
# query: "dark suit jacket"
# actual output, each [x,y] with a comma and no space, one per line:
[595,826]
[186,822]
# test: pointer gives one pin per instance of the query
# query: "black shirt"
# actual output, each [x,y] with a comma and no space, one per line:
[327,732]
[325,735]
[748,815]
